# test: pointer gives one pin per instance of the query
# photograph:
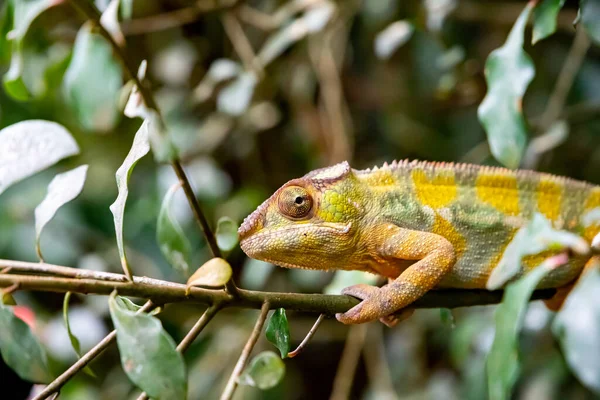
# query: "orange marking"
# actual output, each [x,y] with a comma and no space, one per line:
[437,192]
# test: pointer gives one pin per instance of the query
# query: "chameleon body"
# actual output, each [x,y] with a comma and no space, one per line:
[423,225]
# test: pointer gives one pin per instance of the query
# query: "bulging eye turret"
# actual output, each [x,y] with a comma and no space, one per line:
[295,202]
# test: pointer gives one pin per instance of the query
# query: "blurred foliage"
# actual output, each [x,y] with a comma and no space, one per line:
[253,95]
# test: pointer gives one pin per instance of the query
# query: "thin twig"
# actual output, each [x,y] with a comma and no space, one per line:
[10,289]
[56,384]
[173,19]
[241,43]
[566,77]
[91,12]
[309,335]
[57,270]
[376,365]
[168,292]
[239,366]
[182,347]
[342,384]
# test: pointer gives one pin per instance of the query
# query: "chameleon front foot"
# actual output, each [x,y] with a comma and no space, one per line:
[372,307]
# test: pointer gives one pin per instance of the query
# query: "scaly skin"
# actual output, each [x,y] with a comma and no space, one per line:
[423,225]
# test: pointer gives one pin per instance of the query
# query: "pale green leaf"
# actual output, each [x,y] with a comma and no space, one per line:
[139,149]
[148,354]
[508,71]
[20,349]
[265,371]
[590,18]
[577,326]
[110,22]
[226,234]
[392,37]
[61,190]
[31,146]
[14,85]
[93,81]
[535,237]
[215,272]
[220,70]
[278,331]
[503,359]
[235,98]
[544,19]
[170,237]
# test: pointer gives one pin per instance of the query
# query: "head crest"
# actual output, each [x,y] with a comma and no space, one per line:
[330,174]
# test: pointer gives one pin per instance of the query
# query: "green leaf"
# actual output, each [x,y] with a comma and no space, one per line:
[278,331]
[31,146]
[235,98]
[392,37]
[535,237]
[590,18]
[447,317]
[215,272]
[23,14]
[508,71]
[72,338]
[93,80]
[170,237]
[148,353]
[63,188]
[544,19]
[139,149]
[264,371]
[226,234]
[20,349]
[577,327]
[503,359]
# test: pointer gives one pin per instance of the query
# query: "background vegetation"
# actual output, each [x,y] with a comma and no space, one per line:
[247,95]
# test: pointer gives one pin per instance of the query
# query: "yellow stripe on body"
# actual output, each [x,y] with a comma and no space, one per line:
[437,192]
[499,191]
[549,198]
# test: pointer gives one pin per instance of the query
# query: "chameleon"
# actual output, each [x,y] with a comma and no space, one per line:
[423,225]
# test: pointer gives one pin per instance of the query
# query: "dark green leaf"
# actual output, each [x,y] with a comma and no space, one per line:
[544,19]
[226,234]
[20,349]
[508,71]
[170,237]
[148,353]
[590,18]
[139,149]
[278,331]
[503,359]
[31,146]
[74,341]
[93,81]
[14,85]
[447,317]
[577,327]
[63,188]
[264,371]
[535,237]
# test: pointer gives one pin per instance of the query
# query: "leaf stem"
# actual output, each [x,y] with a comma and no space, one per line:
[241,363]
[56,384]
[309,335]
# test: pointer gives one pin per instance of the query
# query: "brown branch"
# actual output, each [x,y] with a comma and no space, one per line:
[57,270]
[239,366]
[182,347]
[168,292]
[241,43]
[56,384]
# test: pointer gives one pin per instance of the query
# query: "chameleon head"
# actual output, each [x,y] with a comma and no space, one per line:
[308,222]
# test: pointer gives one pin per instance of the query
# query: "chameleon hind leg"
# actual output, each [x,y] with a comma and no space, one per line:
[555,302]
[435,255]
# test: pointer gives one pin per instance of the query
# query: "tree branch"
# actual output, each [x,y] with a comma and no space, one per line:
[168,292]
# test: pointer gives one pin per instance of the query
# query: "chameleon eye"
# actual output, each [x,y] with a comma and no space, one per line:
[295,202]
